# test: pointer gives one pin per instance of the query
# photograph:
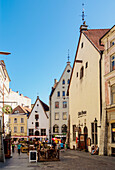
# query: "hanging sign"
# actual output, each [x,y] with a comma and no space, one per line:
[7,109]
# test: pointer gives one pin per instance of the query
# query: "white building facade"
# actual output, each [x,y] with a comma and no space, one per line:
[86,91]
[59,105]
[38,120]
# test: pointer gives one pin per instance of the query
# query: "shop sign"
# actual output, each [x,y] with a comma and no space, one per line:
[81,138]
[7,109]
[82,113]
[88,142]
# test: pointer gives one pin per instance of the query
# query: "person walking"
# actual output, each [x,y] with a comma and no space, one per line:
[19,147]
[13,146]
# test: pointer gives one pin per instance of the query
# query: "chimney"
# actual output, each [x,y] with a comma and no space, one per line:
[83,27]
[55,81]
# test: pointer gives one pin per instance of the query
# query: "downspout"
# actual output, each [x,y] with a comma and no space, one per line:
[100,76]
[50,119]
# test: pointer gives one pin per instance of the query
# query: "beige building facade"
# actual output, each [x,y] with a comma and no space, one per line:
[85,90]
[109,61]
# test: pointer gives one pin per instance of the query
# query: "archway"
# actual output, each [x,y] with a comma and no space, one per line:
[85,137]
[37,133]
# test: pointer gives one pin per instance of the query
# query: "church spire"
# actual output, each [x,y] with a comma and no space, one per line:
[68,62]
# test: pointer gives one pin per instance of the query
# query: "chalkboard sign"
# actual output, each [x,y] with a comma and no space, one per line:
[33,156]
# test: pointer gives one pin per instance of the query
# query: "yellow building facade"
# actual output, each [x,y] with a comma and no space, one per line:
[18,122]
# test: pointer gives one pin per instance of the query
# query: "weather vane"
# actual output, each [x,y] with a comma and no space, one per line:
[83,15]
[68,55]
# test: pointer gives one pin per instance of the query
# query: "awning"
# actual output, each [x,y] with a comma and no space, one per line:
[19,136]
[37,136]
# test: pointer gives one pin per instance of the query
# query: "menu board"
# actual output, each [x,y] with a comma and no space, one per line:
[33,156]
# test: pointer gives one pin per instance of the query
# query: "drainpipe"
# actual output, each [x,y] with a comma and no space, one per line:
[100,76]
[50,119]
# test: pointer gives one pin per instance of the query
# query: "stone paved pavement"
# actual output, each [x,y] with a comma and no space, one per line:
[70,160]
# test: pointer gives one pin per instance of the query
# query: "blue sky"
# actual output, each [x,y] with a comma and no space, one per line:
[38,33]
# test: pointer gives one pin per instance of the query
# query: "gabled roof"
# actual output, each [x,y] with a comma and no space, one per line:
[107,32]
[45,106]
[21,109]
[94,35]
[53,88]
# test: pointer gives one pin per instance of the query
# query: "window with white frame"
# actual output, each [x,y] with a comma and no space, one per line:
[22,129]
[56,116]
[64,116]
[63,81]
[43,132]
[56,104]
[113,94]
[22,120]
[63,93]
[58,94]
[15,129]
[64,104]
[15,120]
[112,62]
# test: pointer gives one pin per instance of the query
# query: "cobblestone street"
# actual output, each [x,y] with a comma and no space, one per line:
[69,159]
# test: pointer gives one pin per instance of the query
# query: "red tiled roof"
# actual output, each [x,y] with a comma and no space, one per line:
[94,36]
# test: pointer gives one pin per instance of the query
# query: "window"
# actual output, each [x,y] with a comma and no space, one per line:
[64,128]
[86,65]
[77,74]
[15,129]
[36,124]
[64,115]
[31,132]
[63,93]
[63,82]
[58,94]
[64,104]
[113,94]
[36,111]
[112,43]
[112,63]
[56,116]
[82,45]
[68,81]
[15,120]
[81,72]
[22,120]
[55,129]
[94,133]
[56,104]
[43,132]
[74,132]
[113,132]
[36,117]
[22,129]
[68,71]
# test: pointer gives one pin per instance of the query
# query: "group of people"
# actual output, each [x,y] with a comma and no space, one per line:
[94,150]
[18,147]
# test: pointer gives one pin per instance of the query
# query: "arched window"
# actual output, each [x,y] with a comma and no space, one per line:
[64,128]
[63,82]
[68,81]
[55,129]
[36,133]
